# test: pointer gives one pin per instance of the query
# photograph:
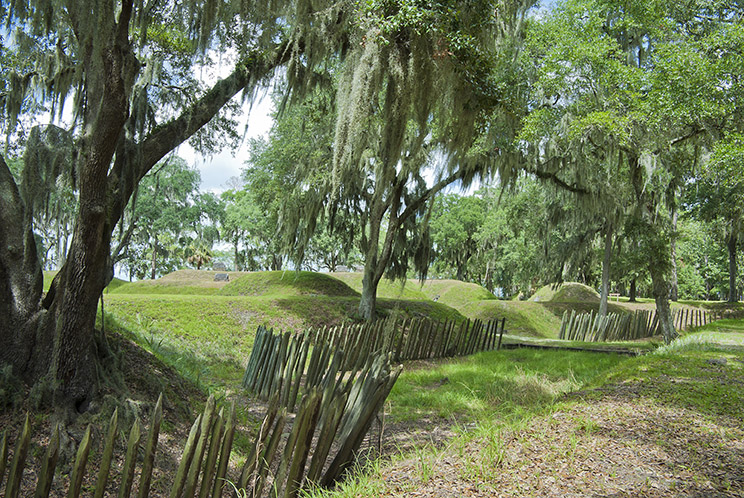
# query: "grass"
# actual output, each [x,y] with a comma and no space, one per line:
[455,293]
[189,282]
[406,289]
[501,385]
[50,274]
[508,393]
[566,292]
[701,371]
[205,329]
[219,330]
[284,283]
[523,318]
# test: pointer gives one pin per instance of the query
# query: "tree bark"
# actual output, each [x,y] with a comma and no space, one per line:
[374,265]
[20,279]
[377,259]
[632,293]
[236,255]
[659,250]
[368,302]
[54,338]
[606,271]
[661,289]
[731,243]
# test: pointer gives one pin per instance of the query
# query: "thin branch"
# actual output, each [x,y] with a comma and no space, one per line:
[552,177]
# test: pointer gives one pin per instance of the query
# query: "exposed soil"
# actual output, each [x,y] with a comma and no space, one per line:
[617,444]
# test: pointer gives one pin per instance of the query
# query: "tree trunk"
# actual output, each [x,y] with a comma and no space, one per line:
[661,289]
[731,243]
[632,293]
[606,271]
[674,291]
[154,259]
[236,255]
[54,340]
[374,266]
[368,302]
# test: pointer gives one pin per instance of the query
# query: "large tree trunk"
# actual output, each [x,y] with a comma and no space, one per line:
[731,243]
[606,271]
[54,340]
[21,280]
[374,262]
[368,302]
[658,247]
[632,292]
[661,289]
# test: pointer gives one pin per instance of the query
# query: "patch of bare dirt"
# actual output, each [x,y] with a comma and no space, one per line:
[618,446]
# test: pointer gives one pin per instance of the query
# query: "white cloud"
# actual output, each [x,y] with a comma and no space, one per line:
[216,170]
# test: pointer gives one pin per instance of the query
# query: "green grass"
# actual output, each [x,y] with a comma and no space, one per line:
[209,337]
[455,293]
[217,331]
[504,392]
[113,285]
[406,290]
[523,318]
[560,307]
[501,385]
[188,282]
[419,309]
[150,287]
[285,283]
[702,371]
[566,292]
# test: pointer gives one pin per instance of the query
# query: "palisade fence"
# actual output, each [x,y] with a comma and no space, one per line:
[201,471]
[338,402]
[335,415]
[627,326]
[283,362]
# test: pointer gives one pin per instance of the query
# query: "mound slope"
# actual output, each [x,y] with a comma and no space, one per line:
[287,283]
[567,292]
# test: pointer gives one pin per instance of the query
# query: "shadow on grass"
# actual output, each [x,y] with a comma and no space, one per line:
[500,384]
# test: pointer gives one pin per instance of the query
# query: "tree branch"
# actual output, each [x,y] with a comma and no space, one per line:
[167,137]
[20,271]
[134,161]
[552,177]
[416,204]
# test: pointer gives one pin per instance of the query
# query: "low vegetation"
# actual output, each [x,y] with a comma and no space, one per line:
[459,423]
[664,424]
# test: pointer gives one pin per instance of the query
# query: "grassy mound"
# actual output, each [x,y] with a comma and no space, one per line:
[523,318]
[567,292]
[208,338]
[287,283]
[50,274]
[178,282]
[455,293]
[387,289]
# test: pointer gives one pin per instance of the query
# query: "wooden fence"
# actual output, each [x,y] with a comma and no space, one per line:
[413,338]
[201,471]
[294,363]
[627,326]
[339,399]
[336,413]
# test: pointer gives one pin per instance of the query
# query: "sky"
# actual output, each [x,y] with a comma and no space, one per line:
[216,170]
